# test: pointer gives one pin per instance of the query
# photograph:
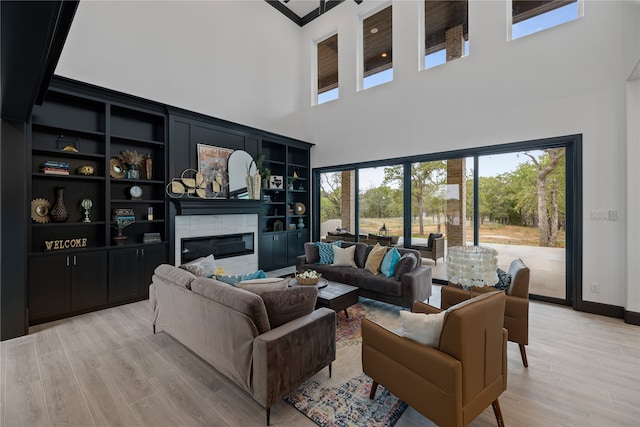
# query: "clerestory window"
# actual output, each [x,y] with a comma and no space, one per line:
[446,27]
[528,17]
[327,56]
[377,48]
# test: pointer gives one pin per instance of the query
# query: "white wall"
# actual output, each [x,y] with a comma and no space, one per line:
[236,60]
[243,61]
[565,80]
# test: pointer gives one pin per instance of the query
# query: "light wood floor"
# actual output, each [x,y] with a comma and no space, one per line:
[108,368]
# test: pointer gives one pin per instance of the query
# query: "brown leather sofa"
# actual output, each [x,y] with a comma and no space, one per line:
[516,313]
[453,384]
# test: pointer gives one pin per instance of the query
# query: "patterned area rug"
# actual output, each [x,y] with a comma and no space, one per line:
[332,402]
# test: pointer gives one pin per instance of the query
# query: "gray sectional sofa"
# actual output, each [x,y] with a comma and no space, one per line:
[247,337]
[403,290]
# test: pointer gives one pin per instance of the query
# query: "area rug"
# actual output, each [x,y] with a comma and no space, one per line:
[332,402]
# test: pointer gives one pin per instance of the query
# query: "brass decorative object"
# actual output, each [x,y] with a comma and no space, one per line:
[86,170]
[192,187]
[116,168]
[40,210]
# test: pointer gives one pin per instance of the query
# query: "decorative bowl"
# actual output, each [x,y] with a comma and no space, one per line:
[312,280]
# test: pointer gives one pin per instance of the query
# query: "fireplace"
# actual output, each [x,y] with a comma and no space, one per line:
[221,246]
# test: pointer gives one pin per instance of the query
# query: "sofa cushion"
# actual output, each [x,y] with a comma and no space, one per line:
[288,304]
[374,259]
[234,279]
[360,257]
[344,257]
[378,283]
[311,253]
[406,263]
[247,303]
[326,251]
[421,327]
[389,262]
[260,286]
[175,276]
[202,267]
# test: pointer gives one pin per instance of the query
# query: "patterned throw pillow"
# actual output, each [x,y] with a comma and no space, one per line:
[201,267]
[232,280]
[389,262]
[504,280]
[326,251]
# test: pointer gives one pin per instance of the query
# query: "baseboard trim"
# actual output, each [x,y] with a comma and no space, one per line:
[602,309]
[632,317]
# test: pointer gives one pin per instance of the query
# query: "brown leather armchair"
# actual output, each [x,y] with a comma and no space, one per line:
[516,313]
[453,384]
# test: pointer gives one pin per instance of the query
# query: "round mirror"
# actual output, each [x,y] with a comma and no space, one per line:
[240,165]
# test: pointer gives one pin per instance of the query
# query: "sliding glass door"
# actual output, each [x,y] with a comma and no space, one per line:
[522,214]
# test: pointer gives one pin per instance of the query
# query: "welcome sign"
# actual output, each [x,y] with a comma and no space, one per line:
[53,245]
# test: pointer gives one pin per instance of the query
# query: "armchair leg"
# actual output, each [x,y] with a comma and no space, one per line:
[329,369]
[268,415]
[498,413]
[523,353]
[374,387]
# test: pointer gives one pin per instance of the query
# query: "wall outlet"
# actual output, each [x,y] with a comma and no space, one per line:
[595,288]
[613,215]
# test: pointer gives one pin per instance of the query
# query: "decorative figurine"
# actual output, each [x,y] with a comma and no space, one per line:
[86,205]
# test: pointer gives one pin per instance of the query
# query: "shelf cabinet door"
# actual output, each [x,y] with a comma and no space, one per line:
[49,286]
[296,240]
[124,274]
[152,257]
[273,251]
[88,280]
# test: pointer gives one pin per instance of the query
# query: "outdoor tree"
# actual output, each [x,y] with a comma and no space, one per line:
[426,177]
[548,215]
[330,195]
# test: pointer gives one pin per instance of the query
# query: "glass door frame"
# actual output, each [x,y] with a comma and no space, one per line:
[573,190]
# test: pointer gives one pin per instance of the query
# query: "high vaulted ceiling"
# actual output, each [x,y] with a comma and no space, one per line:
[304,11]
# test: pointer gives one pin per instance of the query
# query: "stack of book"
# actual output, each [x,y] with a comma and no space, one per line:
[123,214]
[151,238]
[51,167]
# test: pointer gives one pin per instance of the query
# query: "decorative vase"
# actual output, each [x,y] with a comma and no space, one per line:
[148,166]
[59,212]
[256,185]
[300,223]
[265,183]
[249,181]
[133,172]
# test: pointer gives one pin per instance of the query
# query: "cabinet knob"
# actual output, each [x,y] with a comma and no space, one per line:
[142,250]
[67,261]
[75,260]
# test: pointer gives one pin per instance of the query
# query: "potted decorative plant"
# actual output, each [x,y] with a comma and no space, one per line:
[133,160]
[119,226]
[291,180]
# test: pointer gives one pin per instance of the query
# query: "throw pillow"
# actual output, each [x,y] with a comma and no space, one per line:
[232,280]
[504,280]
[344,257]
[375,258]
[326,251]
[406,263]
[202,267]
[288,304]
[389,262]
[422,328]
[266,284]
[311,253]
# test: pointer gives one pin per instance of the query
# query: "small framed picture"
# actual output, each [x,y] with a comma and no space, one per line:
[276,181]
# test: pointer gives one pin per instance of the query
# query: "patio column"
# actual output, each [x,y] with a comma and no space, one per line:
[454,42]
[456,203]
[347,201]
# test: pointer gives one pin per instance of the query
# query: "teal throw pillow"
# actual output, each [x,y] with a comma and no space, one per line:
[232,280]
[389,262]
[326,251]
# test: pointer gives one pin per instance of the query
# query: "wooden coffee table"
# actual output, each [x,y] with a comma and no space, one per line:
[336,296]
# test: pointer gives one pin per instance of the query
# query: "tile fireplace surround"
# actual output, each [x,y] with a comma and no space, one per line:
[216,225]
